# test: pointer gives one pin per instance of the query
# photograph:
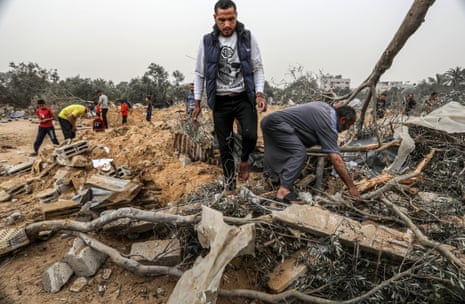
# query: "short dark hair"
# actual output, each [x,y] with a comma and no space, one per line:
[224,4]
[40,101]
[347,112]
[148,97]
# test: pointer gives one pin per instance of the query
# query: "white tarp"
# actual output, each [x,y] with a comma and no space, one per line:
[449,118]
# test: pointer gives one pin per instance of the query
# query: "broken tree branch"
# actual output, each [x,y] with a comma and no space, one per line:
[295,294]
[441,248]
[129,264]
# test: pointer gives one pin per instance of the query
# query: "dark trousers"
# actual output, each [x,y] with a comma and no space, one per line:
[125,120]
[67,128]
[50,131]
[104,117]
[227,109]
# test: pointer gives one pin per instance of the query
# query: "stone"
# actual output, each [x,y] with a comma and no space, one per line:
[56,276]
[84,260]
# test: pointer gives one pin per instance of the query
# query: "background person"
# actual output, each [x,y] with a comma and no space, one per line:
[288,133]
[381,106]
[148,115]
[68,117]
[46,127]
[230,64]
[124,112]
[431,102]
[190,100]
[410,104]
[103,102]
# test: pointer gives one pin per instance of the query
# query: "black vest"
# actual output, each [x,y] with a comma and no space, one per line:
[212,53]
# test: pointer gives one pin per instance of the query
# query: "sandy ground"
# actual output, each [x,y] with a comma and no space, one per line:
[137,145]
[16,140]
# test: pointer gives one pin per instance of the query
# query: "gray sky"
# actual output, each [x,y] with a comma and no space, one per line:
[117,40]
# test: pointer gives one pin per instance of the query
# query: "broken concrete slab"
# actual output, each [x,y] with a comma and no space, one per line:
[84,260]
[124,191]
[16,186]
[62,180]
[59,209]
[157,252]
[64,154]
[47,195]
[200,284]
[56,276]
[12,238]
[370,237]
[78,284]
[20,168]
[4,196]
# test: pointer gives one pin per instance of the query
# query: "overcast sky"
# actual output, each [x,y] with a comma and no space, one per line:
[117,40]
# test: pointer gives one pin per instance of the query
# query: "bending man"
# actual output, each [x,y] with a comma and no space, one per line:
[68,117]
[289,132]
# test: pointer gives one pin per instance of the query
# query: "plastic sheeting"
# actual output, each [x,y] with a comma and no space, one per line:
[449,118]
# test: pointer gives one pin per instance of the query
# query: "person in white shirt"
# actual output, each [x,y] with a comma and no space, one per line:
[230,66]
[103,102]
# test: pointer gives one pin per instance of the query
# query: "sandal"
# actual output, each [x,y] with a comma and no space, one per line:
[291,198]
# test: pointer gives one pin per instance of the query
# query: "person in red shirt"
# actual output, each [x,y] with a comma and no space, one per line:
[124,112]
[46,127]
[98,110]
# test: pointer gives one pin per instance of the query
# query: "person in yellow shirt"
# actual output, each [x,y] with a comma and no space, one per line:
[68,117]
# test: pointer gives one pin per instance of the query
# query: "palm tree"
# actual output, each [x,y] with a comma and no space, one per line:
[455,76]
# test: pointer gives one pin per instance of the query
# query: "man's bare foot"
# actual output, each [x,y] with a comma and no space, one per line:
[286,196]
[244,171]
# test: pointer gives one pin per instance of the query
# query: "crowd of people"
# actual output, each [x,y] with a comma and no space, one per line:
[229,68]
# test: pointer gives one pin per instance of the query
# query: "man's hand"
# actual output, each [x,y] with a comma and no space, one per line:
[196,111]
[261,103]
[355,193]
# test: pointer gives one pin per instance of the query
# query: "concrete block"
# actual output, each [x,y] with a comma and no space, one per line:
[159,252]
[56,276]
[84,260]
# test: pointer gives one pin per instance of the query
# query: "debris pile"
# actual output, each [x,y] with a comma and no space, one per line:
[138,213]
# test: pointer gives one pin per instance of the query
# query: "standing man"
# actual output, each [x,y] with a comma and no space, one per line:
[381,105]
[103,102]
[148,115]
[68,117]
[230,64]
[410,104]
[431,102]
[289,132]
[190,100]
[46,127]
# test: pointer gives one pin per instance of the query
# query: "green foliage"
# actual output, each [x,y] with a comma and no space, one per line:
[25,82]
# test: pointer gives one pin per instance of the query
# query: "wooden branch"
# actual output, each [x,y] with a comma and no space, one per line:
[366,148]
[443,249]
[391,183]
[405,179]
[128,264]
[295,294]
[34,229]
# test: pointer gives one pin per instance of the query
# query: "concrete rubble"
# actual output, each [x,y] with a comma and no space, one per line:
[84,260]
[200,283]
[159,252]
[370,237]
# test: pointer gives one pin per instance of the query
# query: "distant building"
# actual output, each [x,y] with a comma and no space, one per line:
[387,85]
[335,82]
